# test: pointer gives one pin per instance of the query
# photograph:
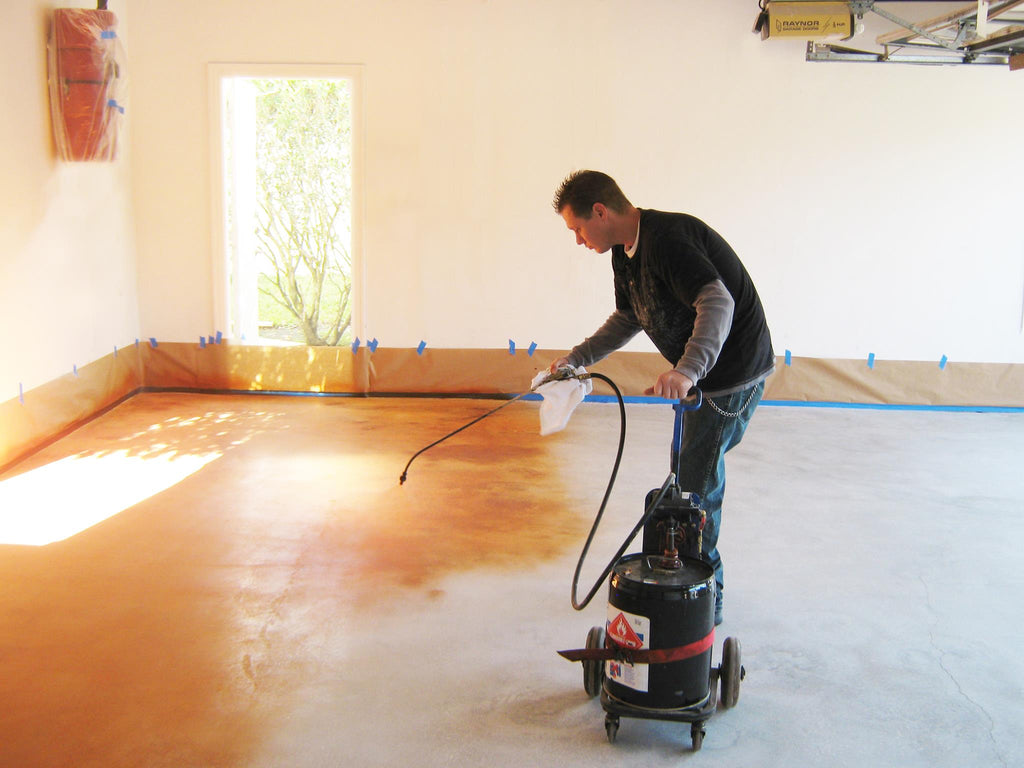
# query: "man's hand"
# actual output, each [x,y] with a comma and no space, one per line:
[559,363]
[672,385]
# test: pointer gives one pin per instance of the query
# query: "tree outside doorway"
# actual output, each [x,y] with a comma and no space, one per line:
[290,195]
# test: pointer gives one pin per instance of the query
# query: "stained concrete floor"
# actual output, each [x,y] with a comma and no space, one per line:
[196,580]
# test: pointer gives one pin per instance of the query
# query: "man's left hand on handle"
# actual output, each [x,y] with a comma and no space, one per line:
[672,385]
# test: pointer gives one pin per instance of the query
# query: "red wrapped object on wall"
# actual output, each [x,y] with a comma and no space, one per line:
[85,79]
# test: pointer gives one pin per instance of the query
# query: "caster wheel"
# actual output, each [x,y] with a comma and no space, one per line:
[593,671]
[697,735]
[611,727]
[731,672]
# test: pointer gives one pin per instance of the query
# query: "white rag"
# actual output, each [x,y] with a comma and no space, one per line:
[560,399]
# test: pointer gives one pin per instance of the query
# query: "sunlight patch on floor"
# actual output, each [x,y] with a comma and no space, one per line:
[58,500]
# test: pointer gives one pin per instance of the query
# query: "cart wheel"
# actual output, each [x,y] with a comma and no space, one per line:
[611,727]
[731,672]
[697,735]
[713,689]
[593,670]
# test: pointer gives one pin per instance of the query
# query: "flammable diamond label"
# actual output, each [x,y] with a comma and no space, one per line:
[629,631]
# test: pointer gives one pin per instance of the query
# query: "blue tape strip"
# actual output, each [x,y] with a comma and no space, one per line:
[209,340]
[219,337]
[895,406]
[108,34]
[634,399]
[789,357]
[355,345]
[815,404]
[114,105]
[202,342]
[152,342]
[115,350]
[511,347]
[942,363]
[136,343]
[421,347]
[21,393]
[871,360]
[373,344]
[74,369]
[532,349]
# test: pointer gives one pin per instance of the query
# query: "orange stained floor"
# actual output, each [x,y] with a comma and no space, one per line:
[170,572]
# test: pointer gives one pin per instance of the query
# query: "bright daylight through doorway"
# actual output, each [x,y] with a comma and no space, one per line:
[287,191]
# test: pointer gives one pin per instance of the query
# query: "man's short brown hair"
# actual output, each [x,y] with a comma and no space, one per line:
[581,189]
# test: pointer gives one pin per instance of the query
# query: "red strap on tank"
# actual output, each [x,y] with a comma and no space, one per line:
[644,656]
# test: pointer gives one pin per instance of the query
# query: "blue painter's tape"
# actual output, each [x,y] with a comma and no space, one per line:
[894,406]
[152,342]
[373,344]
[638,399]
[114,105]
[421,347]
[115,350]
[202,342]
[108,34]
[532,349]
[74,369]
[209,339]
[219,337]
[21,393]
[136,343]
[789,357]
[942,363]
[644,400]
[871,360]
[511,347]
[355,345]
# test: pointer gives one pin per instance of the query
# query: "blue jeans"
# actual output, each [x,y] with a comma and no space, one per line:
[707,437]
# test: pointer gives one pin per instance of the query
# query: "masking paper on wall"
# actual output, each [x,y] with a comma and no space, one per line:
[85,78]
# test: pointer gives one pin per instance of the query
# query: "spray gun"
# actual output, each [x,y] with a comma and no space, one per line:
[561,374]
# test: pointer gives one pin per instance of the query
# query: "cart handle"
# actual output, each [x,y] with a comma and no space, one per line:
[691,402]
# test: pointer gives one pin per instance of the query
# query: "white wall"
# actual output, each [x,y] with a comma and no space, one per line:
[875,205]
[68,287]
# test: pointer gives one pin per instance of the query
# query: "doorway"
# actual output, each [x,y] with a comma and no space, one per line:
[286,200]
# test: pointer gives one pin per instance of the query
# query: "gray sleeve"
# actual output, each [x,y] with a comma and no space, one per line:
[619,328]
[714,305]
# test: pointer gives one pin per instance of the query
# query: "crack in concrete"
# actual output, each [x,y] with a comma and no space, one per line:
[951,676]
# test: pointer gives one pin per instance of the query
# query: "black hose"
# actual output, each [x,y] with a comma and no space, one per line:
[560,375]
[579,606]
[611,564]
[405,472]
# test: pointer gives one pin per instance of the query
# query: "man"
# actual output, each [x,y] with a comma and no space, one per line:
[680,282]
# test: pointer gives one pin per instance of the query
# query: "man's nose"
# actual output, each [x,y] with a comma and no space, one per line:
[579,239]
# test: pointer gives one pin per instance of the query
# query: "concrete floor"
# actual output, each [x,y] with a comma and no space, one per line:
[197,580]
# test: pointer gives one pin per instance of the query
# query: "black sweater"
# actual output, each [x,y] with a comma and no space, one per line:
[678,256]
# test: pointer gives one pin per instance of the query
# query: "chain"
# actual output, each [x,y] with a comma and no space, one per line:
[726,414]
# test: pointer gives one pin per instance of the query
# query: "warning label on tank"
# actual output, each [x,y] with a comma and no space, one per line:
[633,632]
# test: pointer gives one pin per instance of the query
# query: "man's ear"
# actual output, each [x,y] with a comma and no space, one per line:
[600,210]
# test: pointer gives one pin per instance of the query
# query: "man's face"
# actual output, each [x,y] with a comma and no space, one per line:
[592,232]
